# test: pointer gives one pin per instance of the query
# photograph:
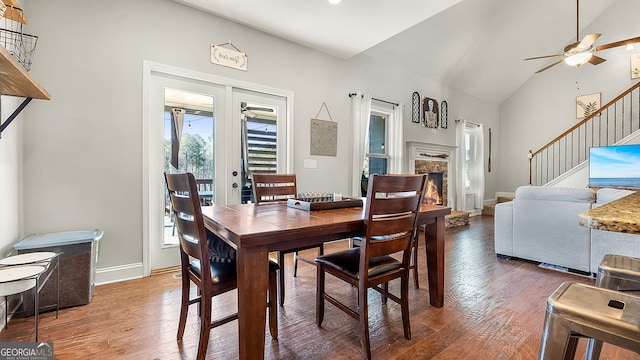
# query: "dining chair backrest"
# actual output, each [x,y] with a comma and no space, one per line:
[185,204]
[204,184]
[273,188]
[391,214]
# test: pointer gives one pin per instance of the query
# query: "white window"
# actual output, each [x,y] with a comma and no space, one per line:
[468,159]
[474,163]
[376,160]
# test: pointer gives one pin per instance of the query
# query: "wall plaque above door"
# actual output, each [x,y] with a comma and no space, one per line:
[232,58]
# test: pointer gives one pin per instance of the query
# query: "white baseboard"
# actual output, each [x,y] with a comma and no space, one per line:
[505,194]
[119,273]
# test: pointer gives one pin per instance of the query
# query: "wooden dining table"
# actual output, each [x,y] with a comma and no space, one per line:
[256,230]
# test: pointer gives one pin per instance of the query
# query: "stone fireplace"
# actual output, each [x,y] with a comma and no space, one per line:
[438,162]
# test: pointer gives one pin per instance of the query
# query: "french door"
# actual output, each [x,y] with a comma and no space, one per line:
[218,132]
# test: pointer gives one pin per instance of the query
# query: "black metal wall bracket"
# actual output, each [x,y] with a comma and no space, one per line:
[14,114]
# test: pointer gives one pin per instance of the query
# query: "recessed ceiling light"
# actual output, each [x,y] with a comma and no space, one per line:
[335,2]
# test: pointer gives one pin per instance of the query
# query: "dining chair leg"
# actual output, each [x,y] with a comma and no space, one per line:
[414,260]
[383,297]
[205,327]
[199,308]
[273,307]
[281,277]
[320,294]
[295,264]
[184,306]
[404,299]
[363,310]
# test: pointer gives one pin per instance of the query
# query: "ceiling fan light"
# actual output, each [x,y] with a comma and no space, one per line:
[578,59]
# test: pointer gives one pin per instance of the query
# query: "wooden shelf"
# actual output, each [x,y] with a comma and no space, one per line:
[16,81]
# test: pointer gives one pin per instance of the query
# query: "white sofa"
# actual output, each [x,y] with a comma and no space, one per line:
[541,224]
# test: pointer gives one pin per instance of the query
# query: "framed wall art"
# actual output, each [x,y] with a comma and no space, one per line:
[587,105]
[415,107]
[635,66]
[444,114]
[431,113]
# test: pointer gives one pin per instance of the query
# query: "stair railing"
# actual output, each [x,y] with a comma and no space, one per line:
[606,126]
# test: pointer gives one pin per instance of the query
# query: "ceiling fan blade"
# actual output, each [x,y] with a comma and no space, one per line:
[588,40]
[543,57]
[617,43]
[595,60]
[266,109]
[546,67]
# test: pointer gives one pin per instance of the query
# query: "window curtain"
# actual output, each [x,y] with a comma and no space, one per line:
[461,156]
[477,172]
[396,143]
[359,116]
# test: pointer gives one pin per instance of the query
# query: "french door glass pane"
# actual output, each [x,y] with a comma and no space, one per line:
[259,143]
[188,146]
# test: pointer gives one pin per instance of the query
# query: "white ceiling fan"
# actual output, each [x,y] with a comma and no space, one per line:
[582,51]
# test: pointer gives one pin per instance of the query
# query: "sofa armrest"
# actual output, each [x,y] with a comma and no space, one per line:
[580,195]
[503,228]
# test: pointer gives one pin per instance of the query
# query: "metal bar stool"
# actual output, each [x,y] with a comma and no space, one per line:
[614,271]
[23,272]
[577,310]
[617,270]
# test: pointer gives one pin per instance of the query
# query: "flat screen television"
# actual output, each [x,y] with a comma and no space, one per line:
[615,166]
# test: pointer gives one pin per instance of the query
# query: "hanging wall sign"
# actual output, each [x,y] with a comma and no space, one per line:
[228,57]
[324,135]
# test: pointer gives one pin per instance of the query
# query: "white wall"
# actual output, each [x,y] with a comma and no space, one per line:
[544,107]
[385,80]
[10,176]
[83,150]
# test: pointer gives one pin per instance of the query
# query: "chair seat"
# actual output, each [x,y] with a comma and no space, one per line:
[224,271]
[348,261]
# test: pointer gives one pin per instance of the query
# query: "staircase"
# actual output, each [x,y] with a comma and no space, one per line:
[259,150]
[612,124]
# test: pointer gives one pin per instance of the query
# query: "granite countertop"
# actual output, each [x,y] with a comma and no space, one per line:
[622,215]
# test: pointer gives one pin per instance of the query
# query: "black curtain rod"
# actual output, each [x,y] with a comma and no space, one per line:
[468,122]
[384,101]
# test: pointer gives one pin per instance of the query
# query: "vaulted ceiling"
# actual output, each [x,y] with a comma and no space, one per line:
[474,46]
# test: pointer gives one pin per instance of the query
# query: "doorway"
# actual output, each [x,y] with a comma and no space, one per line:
[205,125]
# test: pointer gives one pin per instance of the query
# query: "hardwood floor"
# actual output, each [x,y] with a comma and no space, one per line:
[494,309]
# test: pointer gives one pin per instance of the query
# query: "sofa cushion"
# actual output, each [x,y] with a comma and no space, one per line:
[606,195]
[555,194]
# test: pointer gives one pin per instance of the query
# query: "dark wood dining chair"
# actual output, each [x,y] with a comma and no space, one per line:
[211,276]
[413,265]
[390,225]
[271,188]
[205,186]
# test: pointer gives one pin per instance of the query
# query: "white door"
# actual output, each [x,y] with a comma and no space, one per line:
[260,129]
[186,118]
[212,123]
